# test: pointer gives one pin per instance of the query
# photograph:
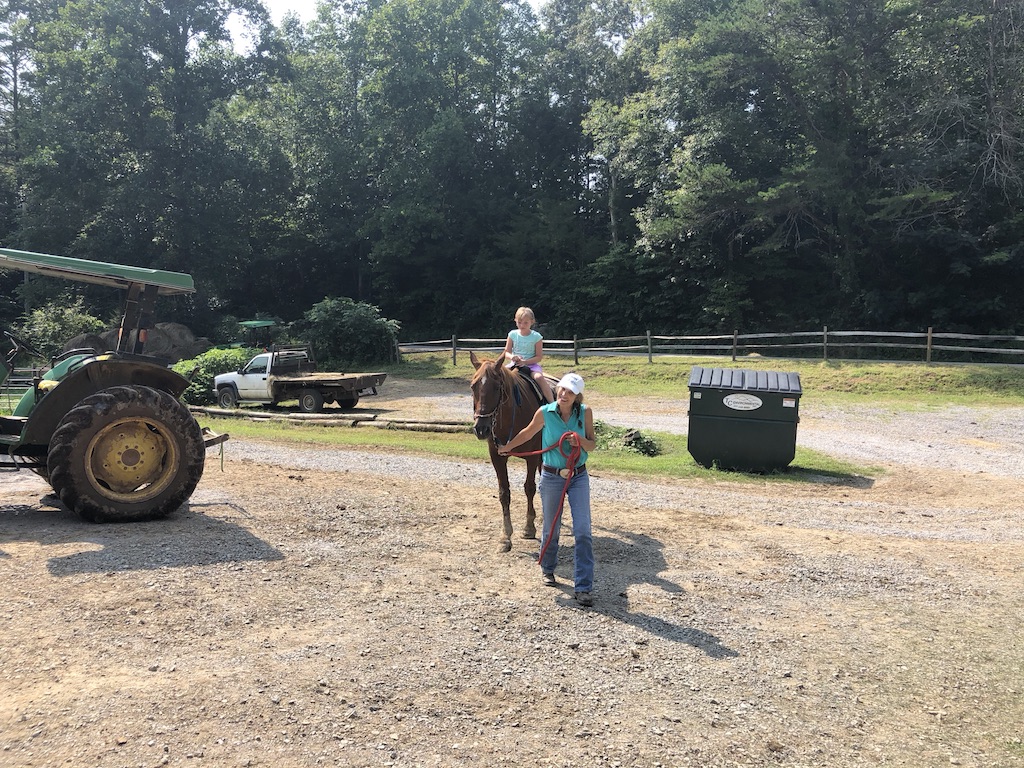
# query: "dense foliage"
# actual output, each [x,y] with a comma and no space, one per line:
[347,333]
[201,371]
[51,325]
[618,165]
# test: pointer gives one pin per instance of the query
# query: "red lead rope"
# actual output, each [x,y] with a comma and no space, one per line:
[570,462]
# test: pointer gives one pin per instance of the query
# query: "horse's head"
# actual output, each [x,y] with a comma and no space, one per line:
[490,392]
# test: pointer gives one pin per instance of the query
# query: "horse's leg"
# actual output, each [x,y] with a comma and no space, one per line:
[530,488]
[500,464]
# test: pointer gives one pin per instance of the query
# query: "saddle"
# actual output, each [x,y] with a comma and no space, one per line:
[527,376]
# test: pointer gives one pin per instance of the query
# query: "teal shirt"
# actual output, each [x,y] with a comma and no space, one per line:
[554,428]
[524,346]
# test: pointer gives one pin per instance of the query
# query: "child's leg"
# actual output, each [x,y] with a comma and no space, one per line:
[542,380]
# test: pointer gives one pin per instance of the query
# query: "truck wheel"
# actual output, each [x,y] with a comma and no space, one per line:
[126,454]
[311,401]
[227,397]
[348,402]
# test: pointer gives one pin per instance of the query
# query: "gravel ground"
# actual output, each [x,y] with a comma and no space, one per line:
[335,607]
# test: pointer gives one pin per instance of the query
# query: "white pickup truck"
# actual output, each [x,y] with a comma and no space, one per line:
[289,373]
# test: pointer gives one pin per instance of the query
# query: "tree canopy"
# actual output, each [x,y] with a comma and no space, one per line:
[618,165]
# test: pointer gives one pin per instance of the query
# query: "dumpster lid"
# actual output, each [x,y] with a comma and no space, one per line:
[746,380]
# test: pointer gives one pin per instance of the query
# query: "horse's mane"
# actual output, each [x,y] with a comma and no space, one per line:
[511,378]
[496,366]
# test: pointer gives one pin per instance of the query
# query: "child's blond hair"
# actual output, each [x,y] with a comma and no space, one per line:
[526,313]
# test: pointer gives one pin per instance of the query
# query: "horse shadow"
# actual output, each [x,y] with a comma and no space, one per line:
[644,555]
[186,538]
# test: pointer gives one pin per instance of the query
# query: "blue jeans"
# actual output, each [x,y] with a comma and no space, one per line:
[578,501]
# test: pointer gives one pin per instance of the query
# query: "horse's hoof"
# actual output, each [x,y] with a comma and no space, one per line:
[530,533]
[505,546]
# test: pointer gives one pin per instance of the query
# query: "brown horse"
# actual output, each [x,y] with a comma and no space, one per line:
[503,403]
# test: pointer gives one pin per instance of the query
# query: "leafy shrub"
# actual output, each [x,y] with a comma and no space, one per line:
[611,438]
[206,366]
[51,326]
[344,332]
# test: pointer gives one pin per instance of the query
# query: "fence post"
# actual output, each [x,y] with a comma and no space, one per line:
[453,348]
[575,350]
[649,360]
[735,341]
[824,343]
[928,347]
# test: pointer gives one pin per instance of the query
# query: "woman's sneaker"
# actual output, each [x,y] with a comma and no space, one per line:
[549,580]
[584,599]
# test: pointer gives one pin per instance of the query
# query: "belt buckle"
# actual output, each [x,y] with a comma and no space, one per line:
[563,472]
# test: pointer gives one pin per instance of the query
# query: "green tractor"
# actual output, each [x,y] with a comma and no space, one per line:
[106,429]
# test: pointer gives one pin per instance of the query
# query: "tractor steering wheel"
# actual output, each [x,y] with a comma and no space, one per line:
[24,346]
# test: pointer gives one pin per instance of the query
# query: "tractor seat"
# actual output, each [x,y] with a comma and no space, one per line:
[12,425]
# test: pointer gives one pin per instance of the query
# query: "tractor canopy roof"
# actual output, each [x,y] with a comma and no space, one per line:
[257,323]
[97,272]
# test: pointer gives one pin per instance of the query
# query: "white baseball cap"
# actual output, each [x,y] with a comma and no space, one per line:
[573,382]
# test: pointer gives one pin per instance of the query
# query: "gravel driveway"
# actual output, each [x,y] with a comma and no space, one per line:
[316,606]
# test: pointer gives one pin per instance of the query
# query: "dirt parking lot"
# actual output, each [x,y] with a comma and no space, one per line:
[338,607]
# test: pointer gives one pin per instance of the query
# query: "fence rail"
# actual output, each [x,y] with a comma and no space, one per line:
[905,346]
[22,377]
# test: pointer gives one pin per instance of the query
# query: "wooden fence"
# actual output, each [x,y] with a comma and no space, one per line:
[21,378]
[925,347]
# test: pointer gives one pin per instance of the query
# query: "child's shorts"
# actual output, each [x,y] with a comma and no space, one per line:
[535,367]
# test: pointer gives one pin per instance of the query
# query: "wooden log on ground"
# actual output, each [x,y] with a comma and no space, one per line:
[447,428]
[336,420]
[245,413]
[324,423]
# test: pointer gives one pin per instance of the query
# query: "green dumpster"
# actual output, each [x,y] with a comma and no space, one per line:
[743,420]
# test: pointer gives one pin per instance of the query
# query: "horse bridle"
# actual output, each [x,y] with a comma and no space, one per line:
[502,399]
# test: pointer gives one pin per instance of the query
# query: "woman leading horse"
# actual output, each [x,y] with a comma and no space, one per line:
[565,422]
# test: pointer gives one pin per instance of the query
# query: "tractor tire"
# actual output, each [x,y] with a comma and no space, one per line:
[126,454]
[348,402]
[227,398]
[311,401]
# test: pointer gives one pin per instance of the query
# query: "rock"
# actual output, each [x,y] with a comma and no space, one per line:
[172,341]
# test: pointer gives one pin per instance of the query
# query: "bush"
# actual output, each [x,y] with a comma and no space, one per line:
[52,325]
[344,332]
[208,365]
[612,438]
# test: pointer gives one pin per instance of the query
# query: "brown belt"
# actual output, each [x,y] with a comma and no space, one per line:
[564,471]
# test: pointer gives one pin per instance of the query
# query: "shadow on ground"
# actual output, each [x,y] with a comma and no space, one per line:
[184,539]
[645,560]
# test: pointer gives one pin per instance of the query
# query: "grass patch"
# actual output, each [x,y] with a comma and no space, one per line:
[455,446]
[908,384]
[673,461]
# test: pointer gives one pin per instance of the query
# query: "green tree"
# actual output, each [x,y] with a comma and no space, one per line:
[133,155]
[441,77]
[858,155]
[344,332]
[49,327]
